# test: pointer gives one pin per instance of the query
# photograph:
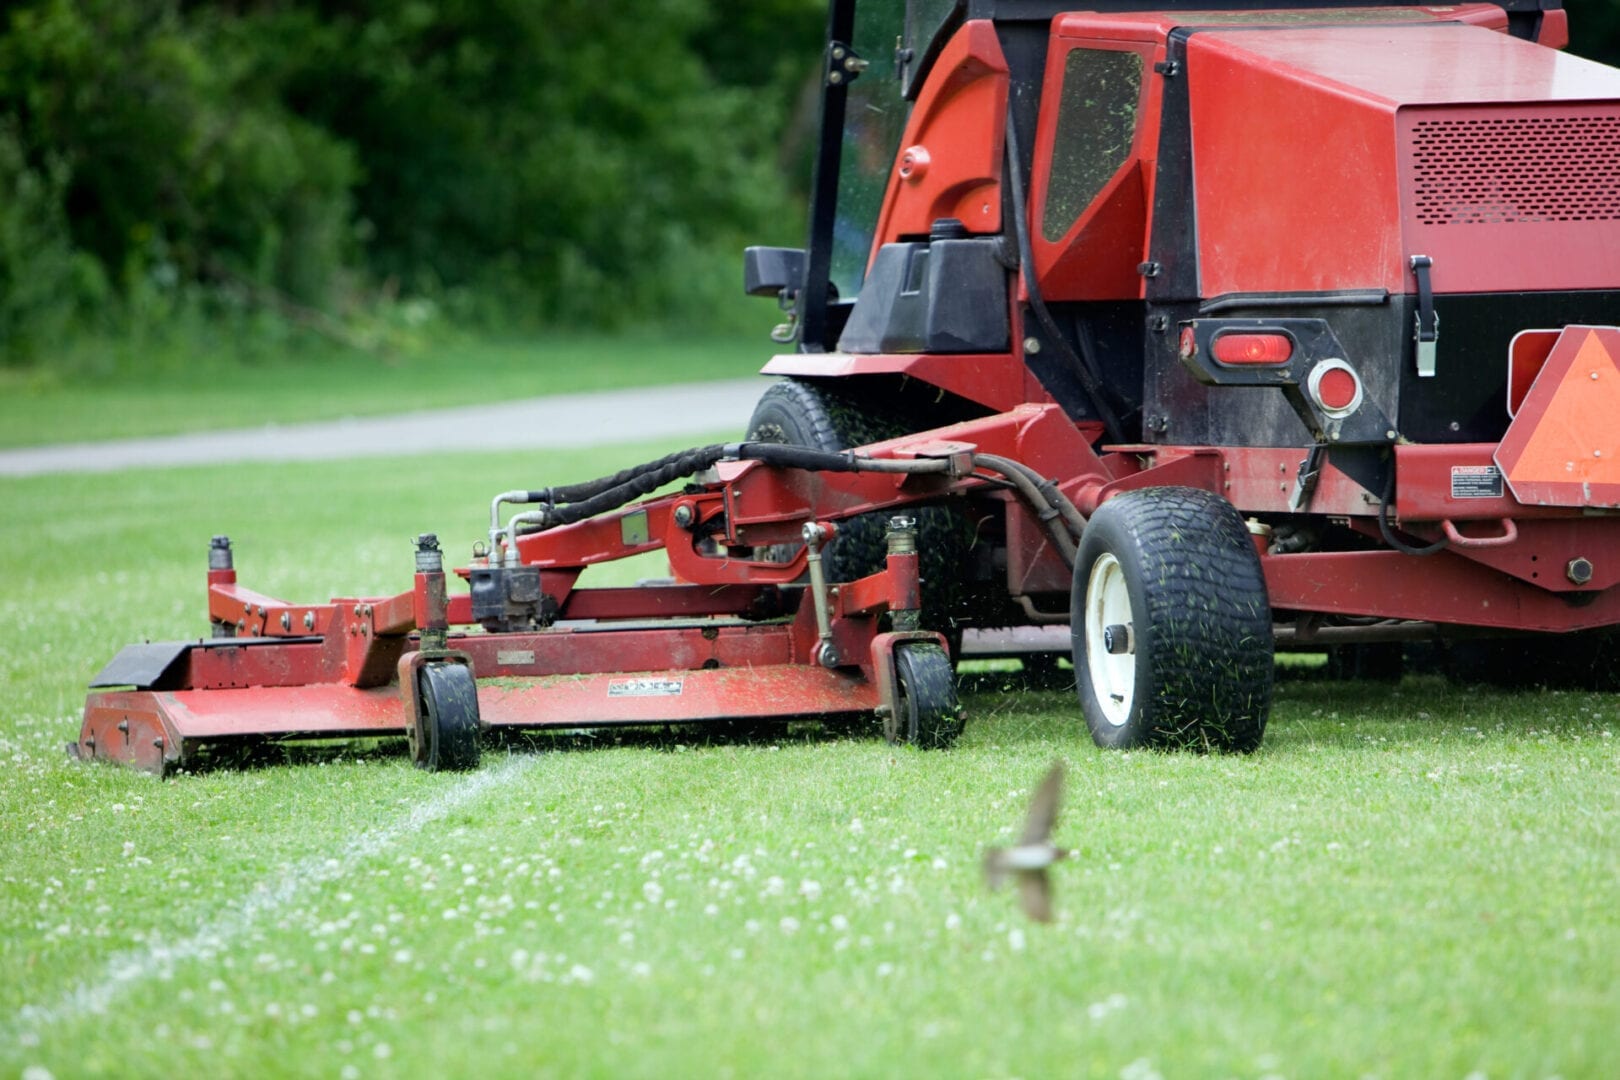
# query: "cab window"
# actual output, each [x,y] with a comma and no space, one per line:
[1096,124]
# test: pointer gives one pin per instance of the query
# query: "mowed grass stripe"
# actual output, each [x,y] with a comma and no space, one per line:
[126,972]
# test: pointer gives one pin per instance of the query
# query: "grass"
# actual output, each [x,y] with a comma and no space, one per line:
[205,391]
[1403,882]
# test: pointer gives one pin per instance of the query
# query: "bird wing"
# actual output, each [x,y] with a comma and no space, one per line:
[995,868]
[1043,808]
[1035,894]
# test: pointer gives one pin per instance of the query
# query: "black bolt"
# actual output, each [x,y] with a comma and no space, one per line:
[1117,639]
[1579,571]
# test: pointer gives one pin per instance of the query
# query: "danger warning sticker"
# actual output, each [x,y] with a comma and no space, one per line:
[1476,482]
[645,687]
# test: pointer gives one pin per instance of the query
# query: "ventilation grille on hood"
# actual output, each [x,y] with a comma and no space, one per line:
[1515,168]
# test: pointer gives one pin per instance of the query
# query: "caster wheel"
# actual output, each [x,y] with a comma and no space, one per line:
[446,735]
[929,715]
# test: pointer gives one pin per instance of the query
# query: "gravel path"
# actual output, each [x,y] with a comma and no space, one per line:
[614,416]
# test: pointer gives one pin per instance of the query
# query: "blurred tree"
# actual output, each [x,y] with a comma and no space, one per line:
[575,152]
[570,160]
[44,280]
[176,162]
[566,160]
[1594,29]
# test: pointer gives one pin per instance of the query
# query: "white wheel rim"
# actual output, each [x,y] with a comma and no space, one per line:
[1113,676]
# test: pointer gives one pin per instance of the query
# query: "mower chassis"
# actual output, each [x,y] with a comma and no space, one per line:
[742,637]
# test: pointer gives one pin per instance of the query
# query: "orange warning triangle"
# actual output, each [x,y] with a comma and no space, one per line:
[1563,447]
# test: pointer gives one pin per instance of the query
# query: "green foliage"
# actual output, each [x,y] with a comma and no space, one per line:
[44,281]
[573,159]
[180,166]
[562,162]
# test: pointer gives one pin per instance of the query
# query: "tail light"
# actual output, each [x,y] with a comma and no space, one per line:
[1245,349]
[1335,388]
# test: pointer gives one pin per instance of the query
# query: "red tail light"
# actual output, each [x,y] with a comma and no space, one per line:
[1335,387]
[1252,348]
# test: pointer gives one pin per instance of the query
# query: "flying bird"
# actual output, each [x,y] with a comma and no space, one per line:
[1034,852]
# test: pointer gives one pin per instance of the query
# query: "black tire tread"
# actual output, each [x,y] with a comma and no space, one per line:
[924,670]
[819,416]
[450,714]
[1205,597]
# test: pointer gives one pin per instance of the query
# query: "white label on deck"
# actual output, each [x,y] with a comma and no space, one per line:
[645,687]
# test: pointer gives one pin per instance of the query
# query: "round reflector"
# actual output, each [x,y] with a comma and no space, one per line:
[1335,388]
[1252,348]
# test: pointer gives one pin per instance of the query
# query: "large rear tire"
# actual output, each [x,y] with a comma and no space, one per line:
[1171,626]
[800,413]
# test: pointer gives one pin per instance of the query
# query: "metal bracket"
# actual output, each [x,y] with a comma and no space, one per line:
[844,64]
[1310,471]
[1427,329]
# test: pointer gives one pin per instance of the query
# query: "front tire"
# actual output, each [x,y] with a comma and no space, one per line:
[801,413]
[1171,625]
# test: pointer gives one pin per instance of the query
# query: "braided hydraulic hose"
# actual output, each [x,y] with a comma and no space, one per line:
[571,503]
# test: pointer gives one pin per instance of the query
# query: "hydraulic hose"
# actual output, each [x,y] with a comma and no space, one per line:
[1049,490]
[1388,533]
[571,503]
[687,462]
[1051,507]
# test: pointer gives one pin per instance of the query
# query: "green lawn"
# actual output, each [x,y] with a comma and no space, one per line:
[1404,882]
[206,390]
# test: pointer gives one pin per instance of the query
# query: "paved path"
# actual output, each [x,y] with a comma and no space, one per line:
[614,416]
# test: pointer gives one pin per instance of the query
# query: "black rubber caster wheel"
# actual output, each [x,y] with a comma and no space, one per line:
[929,715]
[446,736]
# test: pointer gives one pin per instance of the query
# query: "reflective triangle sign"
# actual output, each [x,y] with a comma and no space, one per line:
[1563,447]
